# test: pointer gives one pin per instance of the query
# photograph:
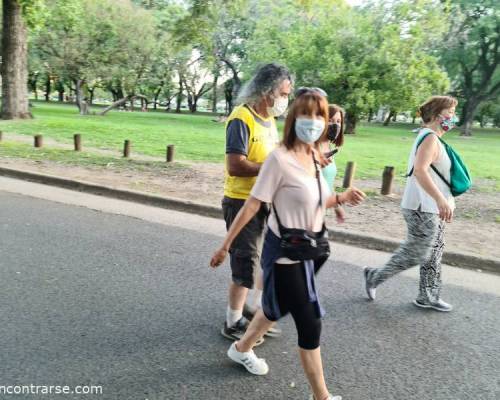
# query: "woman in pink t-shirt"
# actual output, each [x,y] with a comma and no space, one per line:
[290,180]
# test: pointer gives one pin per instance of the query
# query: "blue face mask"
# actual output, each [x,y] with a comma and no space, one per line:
[309,130]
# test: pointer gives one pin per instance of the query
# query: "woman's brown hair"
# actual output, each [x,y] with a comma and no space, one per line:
[332,110]
[307,103]
[435,106]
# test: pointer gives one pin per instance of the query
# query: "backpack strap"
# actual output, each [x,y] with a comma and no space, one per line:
[432,166]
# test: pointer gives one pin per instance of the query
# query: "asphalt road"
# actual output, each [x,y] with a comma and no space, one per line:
[92,298]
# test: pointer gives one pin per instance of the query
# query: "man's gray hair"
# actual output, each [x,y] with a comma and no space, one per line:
[267,79]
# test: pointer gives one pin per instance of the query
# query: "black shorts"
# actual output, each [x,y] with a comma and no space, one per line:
[246,248]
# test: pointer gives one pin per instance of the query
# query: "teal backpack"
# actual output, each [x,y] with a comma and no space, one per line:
[460,180]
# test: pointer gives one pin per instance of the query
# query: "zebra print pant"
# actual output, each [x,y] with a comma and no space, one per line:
[424,245]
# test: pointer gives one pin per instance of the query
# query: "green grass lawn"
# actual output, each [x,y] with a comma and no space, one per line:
[198,138]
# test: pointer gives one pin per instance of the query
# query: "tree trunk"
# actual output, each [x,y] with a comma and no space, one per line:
[122,101]
[33,83]
[214,94]
[194,104]
[168,106]
[236,82]
[14,63]
[482,121]
[115,104]
[81,101]
[60,90]
[91,97]
[351,120]
[467,118]
[157,94]
[47,88]
[179,97]
[389,117]
[370,115]
[190,102]
[228,94]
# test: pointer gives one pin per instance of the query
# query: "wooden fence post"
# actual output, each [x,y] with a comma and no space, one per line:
[126,148]
[170,153]
[349,174]
[387,179]
[38,140]
[77,139]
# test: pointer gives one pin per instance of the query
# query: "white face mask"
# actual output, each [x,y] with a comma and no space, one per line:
[279,107]
[309,130]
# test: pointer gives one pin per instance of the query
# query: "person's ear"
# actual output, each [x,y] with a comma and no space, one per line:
[269,100]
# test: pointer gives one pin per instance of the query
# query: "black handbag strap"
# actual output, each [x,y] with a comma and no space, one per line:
[280,225]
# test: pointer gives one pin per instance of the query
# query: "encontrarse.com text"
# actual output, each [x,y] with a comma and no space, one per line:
[45,389]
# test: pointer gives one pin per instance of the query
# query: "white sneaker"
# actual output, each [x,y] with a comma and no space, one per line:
[249,360]
[330,397]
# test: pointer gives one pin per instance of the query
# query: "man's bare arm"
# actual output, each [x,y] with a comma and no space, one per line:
[238,165]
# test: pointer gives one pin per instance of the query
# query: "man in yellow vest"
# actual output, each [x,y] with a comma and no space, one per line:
[251,134]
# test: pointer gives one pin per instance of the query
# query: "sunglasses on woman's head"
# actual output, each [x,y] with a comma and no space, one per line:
[300,91]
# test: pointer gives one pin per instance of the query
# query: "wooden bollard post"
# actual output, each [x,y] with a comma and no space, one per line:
[387,179]
[126,148]
[170,153]
[38,140]
[349,174]
[77,139]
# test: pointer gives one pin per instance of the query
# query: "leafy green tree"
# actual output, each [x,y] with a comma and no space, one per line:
[471,55]
[218,31]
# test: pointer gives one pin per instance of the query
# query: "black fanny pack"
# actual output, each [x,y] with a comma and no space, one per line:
[301,244]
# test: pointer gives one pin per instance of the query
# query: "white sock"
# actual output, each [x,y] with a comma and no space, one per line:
[233,316]
[254,299]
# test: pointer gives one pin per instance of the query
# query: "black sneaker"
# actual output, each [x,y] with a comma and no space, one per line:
[273,331]
[237,331]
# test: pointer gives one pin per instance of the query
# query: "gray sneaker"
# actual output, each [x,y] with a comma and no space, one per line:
[439,305]
[370,289]
[273,331]
[237,331]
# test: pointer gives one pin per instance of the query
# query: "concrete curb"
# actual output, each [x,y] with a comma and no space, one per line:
[459,259]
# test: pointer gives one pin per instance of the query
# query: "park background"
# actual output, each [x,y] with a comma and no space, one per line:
[161,73]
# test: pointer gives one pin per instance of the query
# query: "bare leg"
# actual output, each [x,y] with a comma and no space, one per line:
[313,367]
[258,326]
[259,279]
[237,296]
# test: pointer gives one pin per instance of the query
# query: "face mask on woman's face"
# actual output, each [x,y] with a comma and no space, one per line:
[333,131]
[448,123]
[279,107]
[309,130]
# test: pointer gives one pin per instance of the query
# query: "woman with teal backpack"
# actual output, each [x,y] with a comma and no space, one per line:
[435,175]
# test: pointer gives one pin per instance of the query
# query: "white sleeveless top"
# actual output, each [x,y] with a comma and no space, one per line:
[415,196]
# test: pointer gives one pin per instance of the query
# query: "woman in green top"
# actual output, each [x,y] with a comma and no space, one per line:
[335,139]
